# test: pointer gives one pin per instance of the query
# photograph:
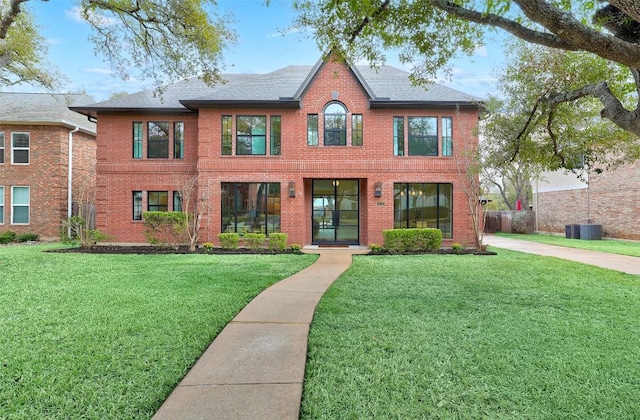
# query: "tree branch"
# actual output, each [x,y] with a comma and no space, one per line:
[384,6]
[10,17]
[542,38]
[565,26]
[630,7]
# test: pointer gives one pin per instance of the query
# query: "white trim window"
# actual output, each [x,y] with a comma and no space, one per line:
[20,205]
[1,148]
[1,205]
[20,148]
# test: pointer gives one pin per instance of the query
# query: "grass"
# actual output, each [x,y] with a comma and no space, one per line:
[611,246]
[510,336]
[110,336]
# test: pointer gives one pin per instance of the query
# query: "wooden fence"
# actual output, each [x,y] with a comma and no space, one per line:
[510,221]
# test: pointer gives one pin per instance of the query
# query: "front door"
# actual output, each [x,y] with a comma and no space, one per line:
[335,211]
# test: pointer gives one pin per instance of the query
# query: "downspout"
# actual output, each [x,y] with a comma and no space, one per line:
[70,178]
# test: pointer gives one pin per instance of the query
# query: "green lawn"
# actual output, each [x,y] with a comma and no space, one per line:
[110,336]
[611,246]
[513,336]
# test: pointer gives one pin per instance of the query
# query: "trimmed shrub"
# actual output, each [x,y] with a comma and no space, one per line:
[412,240]
[278,241]
[165,228]
[375,248]
[295,248]
[456,247]
[27,237]
[255,241]
[207,247]
[7,237]
[229,240]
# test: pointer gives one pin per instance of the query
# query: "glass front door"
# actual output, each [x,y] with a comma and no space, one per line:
[335,211]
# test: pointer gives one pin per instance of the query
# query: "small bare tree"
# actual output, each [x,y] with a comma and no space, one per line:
[195,203]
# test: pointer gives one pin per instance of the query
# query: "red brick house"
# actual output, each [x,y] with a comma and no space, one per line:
[36,130]
[329,154]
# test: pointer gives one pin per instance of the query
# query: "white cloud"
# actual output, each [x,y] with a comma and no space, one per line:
[481,51]
[75,14]
[97,70]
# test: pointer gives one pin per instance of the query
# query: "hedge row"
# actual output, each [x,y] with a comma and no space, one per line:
[410,240]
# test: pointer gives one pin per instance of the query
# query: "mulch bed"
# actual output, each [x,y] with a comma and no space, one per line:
[151,250]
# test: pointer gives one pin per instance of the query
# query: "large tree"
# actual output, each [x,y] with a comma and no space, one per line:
[428,33]
[161,40]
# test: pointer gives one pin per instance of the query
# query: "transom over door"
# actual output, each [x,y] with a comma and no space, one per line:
[335,214]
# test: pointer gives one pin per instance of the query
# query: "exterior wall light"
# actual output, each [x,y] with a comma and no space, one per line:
[292,189]
[377,191]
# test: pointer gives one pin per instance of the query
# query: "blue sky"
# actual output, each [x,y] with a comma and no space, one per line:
[260,48]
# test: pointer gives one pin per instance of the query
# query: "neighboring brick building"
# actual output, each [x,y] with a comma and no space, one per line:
[35,129]
[609,199]
[329,154]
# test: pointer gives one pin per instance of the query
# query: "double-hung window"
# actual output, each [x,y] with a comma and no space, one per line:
[335,125]
[20,148]
[20,203]
[1,205]
[251,135]
[178,140]
[158,139]
[137,140]
[177,201]
[227,134]
[1,148]
[423,136]
[157,201]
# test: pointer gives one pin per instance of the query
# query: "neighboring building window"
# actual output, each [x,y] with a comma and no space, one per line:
[423,205]
[1,148]
[447,136]
[1,205]
[250,207]
[137,205]
[423,136]
[356,130]
[158,139]
[157,201]
[20,202]
[178,140]
[177,201]
[312,129]
[398,136]
[20,148]
[227,134]
[137,140]
[335,125]
[276,134]
[251,135]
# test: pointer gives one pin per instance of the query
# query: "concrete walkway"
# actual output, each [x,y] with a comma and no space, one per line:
[622,263]
[255,367]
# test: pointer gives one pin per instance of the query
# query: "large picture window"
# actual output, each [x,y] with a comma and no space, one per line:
[20,148]
[157,201]
[335,125]
[398,136]
[20,203]
[250,207]
[423,205]
[423,136]
[158,139]
[1,148]
[251,135]
[137,140]
[312,129]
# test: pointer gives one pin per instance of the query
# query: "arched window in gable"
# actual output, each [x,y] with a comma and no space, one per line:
[335,124]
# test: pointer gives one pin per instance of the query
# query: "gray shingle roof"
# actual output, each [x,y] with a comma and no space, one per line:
[45,108]
[387,84]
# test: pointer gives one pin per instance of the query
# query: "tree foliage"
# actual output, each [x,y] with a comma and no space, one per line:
[428,33]
[161,40]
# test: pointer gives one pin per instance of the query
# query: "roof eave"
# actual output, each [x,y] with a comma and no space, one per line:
[386,103]
[283,103]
